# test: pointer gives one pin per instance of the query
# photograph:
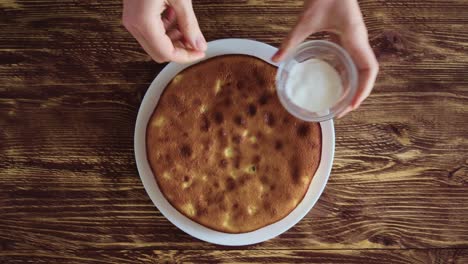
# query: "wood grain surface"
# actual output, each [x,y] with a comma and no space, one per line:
[72,80]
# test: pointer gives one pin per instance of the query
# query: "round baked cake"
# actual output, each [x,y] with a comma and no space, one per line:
[224,151]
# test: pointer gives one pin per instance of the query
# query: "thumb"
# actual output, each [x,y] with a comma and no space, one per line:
[304,27]
[188,24]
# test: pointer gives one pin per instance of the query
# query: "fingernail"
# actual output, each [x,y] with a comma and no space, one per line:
[201,43]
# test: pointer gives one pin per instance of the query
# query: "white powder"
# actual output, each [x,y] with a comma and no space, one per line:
[314,85]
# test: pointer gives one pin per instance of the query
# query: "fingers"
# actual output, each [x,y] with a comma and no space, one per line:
[143,20]
[345,19]
[184,55]
[345,112]
[141,17]
[169,18]
[304,27]
[188,24]
[174,35]
[355,41]
[161,47]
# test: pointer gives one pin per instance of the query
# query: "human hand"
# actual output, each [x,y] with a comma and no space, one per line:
[344,18]
[166,29]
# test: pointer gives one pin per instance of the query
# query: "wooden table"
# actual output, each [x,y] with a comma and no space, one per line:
[71,82]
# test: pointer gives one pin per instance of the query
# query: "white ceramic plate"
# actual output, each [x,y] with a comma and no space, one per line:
[215,48]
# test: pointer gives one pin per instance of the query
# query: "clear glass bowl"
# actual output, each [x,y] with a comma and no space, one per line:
[334,55]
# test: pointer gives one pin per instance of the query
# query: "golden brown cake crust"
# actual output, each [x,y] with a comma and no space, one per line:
[224,152]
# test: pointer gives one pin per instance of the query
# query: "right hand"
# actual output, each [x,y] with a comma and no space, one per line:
[166,29]
[344,18]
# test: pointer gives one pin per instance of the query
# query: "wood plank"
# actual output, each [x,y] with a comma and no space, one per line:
[84,42]
[452,256]
[69,180]
[72,80]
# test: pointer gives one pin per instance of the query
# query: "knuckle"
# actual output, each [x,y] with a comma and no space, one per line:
[185,24]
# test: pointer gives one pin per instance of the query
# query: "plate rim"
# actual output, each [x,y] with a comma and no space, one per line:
[150,100]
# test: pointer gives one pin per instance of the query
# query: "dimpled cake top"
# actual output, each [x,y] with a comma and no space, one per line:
[224,152]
